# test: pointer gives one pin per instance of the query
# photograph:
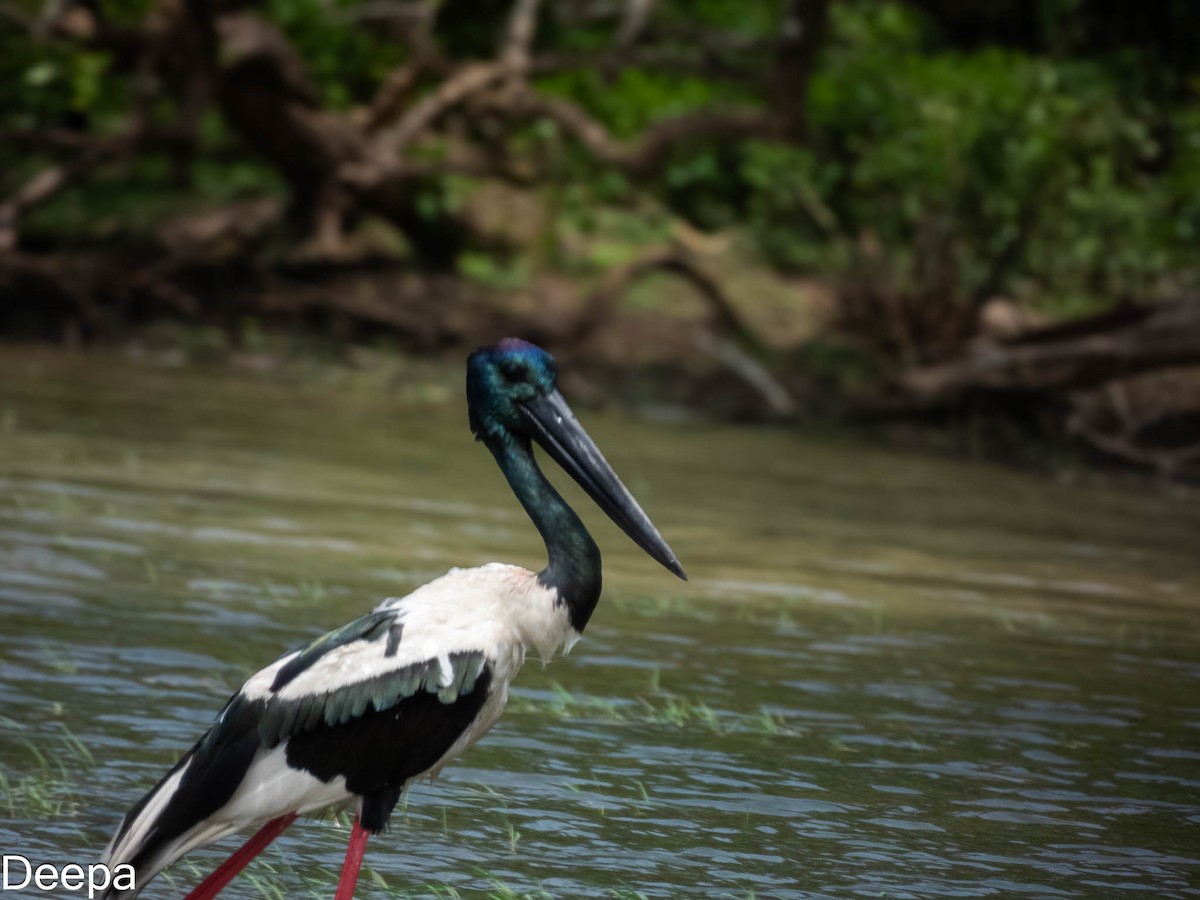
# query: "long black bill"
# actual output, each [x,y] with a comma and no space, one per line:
[556,429]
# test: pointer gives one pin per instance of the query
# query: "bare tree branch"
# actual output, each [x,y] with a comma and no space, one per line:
[393,95]
[50,181]
[753,373]
[386,10]
[15,14]
[390,144]
[729,332]
[469,83]
[685,60]
[633,22]
[44,185]
[49,16]
[1163,336]
[1167,463]
[398,88]
[42,283]
[475,166]
[644,156]
[804,28]
[512,60]
[603,299]
[48,139]
[518,37]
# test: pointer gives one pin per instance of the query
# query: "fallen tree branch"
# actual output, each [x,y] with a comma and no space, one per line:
[400,85]
[645,156]
[805,22]
[18,16]
[750,371]
[1169,463]
[1151,421]
[601,302]
[724,341]
[518,36]
[512,61]
[393,95]
[474,166]
[387,10]
[390,144]
[46,139]
[40,188]
[633,21]
[689,60]
[51,180]
[49,286]
[1163,336]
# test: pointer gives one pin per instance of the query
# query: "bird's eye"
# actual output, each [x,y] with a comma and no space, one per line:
[512,370]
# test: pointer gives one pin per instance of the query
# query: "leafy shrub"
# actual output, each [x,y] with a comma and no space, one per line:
[1029,175]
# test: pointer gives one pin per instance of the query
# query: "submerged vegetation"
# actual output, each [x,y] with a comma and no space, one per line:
[668,711]
[41,775]
[659,708]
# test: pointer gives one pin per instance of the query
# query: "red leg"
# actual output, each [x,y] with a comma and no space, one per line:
[354,858]
[215,883]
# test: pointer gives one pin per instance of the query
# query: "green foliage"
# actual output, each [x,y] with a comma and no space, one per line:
[983,171]
[487,270]
[787,190]
[127,205]
[345,60]
[1025,174]
[635,98]
[41,85]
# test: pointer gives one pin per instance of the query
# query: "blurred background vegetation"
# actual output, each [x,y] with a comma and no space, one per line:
[929,210]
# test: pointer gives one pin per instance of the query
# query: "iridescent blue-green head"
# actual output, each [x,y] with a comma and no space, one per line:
[513,399]
[499,379]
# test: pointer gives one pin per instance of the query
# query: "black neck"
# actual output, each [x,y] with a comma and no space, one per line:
[574,566]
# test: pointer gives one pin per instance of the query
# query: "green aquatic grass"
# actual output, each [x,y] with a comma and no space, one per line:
[57,658]
[43,794]
[304,593]
[660,708]
[266,875]
[499,890]
[47,785]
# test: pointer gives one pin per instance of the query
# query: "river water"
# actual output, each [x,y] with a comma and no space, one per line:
[889,676]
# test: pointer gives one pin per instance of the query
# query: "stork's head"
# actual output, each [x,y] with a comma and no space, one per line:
[501,378]
[512,394]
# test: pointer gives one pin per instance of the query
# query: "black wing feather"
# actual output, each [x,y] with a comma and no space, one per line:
[379,751]
[216,766]
[377,733]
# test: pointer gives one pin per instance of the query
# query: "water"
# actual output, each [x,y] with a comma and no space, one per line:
[888,677]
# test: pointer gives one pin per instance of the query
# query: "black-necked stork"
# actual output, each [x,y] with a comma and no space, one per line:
[350,719]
